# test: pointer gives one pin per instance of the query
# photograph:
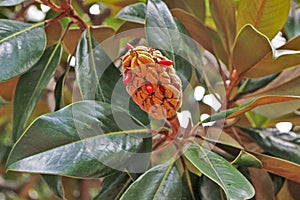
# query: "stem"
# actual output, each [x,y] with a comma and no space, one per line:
[175,126]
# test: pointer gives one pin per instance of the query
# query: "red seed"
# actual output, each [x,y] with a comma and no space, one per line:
[149,88]
[166,62]
[127,78]
[162,89]
[129,46]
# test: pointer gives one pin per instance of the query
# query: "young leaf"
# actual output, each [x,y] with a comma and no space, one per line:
[31,86]
[223,14]
[260,13]
[95,72]
[265,60]
[133,13]
[21,46]
[283,145]
[234,184]
[160,182]
[279,166]
[80,140]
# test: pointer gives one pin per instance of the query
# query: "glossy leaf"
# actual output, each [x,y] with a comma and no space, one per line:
[234,112]
[164,34]
[265,60]
[55,184]
[58,91]
[283,145]
[260,13]
[223,14]
[165,183]
[10,2]
[234,184]
[21,46]
[95,72]
[279,166]
[113,186]
[30,87]
[209,190]
[133,13]
[246,159]
[250,85]
[80,140]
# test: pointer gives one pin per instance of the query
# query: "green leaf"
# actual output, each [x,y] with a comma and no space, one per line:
[164,34]
[160,182]
[234,112]
[81,140]
[246,159]
[95,72]
[223,14]
[113,186]
[260,13]
[30,87]
[250,85]
[10,2]
[283,145]
[265,60]
[21,46]
[209,190]
[234,184]
[133,13]
[58,91]
[55,184]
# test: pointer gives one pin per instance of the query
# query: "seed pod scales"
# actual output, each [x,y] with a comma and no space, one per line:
[152,81]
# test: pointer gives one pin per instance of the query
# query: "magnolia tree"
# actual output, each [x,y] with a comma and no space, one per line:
[150,100]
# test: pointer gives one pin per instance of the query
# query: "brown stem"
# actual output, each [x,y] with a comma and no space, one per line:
[175,127]
[28,185]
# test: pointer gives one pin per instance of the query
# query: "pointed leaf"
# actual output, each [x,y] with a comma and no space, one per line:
[164,34]
[256,83]
[223,14]
[80,140]
[21,46]
[95,72]
[234,112]
[113,186]
[246,159]
[133,13]
[31,85]
[283,145]
[279,166]
[234,184]
[10,2]
[260,13]
[160,182]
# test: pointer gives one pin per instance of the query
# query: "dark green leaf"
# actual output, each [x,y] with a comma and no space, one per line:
[81,140]
[21,46]
[113,186]
[160,182]
[133,13]
[95,72]
[209,190]
[58,91]
[234,184]
[250,85]
[10,2]
[283,145]
[186,189]
[164,34]
[30,87]
[55,184]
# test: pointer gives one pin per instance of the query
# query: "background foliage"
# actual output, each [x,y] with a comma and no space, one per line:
[50,60]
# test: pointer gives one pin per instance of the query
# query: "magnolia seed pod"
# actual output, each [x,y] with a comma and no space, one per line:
[152,82]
